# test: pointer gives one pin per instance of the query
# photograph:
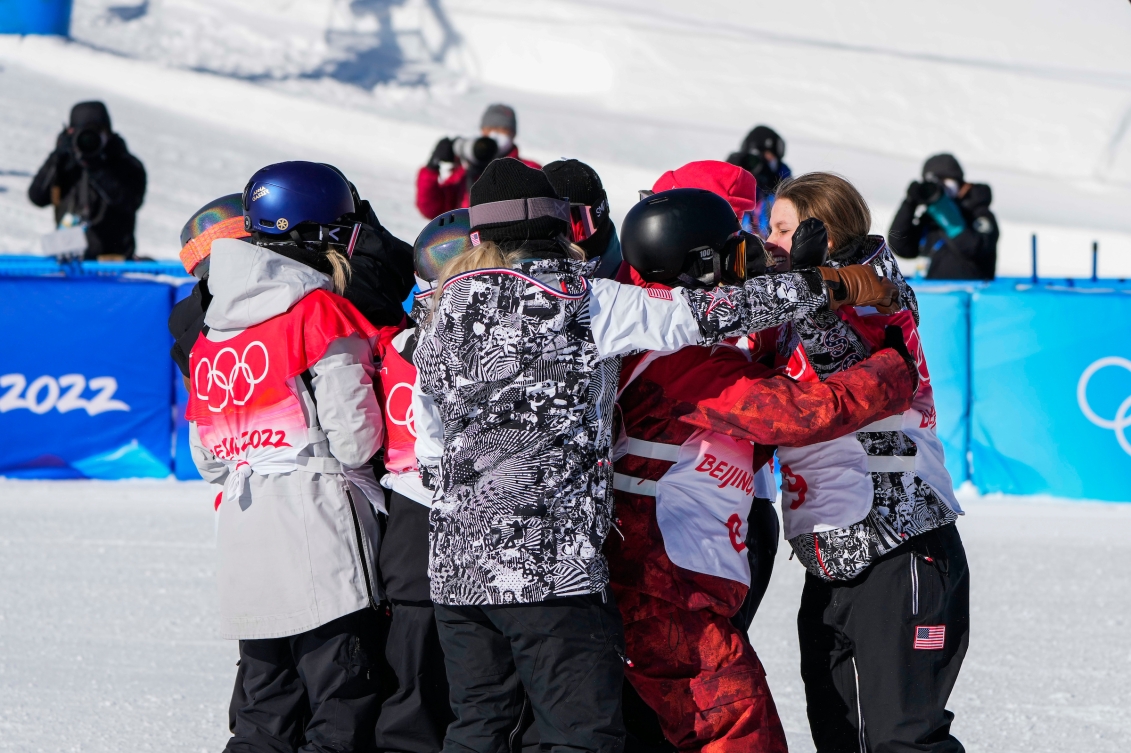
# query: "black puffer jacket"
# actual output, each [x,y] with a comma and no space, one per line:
[105,192]
[971,255]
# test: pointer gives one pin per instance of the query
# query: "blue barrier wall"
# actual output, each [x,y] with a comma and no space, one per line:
[35,17]
[85,378]
[1032,384]
[944,328]
[1051,392]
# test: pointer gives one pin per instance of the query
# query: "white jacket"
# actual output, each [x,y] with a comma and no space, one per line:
[297,549]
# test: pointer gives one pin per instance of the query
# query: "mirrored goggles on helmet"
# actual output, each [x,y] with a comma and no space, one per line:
[584,219]
[724,266]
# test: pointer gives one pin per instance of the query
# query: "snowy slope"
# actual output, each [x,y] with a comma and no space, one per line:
[108,624]
[1034,97]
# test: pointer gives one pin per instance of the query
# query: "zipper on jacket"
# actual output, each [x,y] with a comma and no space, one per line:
[361,550]
[914,583]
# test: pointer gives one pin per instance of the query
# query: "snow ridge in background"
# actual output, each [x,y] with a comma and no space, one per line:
[1033,97]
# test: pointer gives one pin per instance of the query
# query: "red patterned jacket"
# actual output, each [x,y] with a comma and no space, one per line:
[720,390]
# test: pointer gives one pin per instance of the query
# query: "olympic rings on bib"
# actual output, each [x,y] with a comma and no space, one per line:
[237,382]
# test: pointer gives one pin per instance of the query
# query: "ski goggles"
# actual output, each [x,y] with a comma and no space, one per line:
[198,249]
[584,219]
[725,265]
[515,210]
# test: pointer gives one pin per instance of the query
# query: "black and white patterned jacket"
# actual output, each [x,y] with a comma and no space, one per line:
[904,505]
[518,373]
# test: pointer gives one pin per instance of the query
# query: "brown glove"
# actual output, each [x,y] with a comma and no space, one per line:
[859,285]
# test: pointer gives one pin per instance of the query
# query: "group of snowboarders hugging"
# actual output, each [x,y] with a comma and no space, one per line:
[513,486]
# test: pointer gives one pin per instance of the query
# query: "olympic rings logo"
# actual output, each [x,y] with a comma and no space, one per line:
[407,421]
[1122,419]
[237,382]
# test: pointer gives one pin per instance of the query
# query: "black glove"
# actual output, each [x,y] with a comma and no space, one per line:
[893,338]
[64,144]
[442,153]
[810,245]
[927,192]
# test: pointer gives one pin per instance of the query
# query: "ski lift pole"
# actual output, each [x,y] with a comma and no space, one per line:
[1095,260]
[1034,259]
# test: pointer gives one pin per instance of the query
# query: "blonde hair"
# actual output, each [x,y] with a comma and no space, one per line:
[340,276]
[832,200]
[487,255]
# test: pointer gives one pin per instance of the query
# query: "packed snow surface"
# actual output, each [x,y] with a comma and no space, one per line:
[108,622]
[1033,96]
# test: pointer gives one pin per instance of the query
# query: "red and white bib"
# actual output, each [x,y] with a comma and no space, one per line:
[702,501]
[241,393]
[398,374]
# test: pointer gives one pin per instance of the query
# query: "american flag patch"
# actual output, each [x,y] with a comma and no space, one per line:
[664,295]
[930,637]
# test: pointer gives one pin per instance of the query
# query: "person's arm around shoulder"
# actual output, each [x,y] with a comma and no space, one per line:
[776,410]
[348,411]
[624,318]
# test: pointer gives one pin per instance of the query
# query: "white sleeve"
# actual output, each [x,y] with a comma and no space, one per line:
[429,429]
[624,318]
[348,411]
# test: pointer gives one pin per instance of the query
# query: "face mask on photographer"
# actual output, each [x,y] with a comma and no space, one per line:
[504,139]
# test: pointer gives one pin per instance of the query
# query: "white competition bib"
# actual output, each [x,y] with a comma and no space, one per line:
[702,505]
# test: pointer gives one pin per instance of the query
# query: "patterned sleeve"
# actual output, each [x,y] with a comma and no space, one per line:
[886,266]
[762,302]
[777,410]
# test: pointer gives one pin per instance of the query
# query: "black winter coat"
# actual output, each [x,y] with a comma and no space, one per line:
[971,255]
[105,192]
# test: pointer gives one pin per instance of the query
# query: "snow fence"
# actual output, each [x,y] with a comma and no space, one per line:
[1032,381]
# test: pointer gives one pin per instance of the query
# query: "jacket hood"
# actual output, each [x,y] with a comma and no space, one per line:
[250,284]
[731,182]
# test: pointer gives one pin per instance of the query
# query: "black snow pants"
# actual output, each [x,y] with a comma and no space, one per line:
[762,534]
[416,716]
[880,653]
[314,692]
[567,655]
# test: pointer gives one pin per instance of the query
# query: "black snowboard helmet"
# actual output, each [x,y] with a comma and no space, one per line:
[685,235]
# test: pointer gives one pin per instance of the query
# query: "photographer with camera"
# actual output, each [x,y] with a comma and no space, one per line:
[761,155]
[94,182]
[468,158]
[948,220]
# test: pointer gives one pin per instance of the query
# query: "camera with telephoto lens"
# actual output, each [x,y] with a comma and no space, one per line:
[475,152]
[87,143]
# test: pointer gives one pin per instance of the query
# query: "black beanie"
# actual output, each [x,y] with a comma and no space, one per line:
[941,167]
[764,139]
[578,182]
[507,179]
[90,115]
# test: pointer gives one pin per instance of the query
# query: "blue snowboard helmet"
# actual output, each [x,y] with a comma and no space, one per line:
[442,239]
[282,196]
